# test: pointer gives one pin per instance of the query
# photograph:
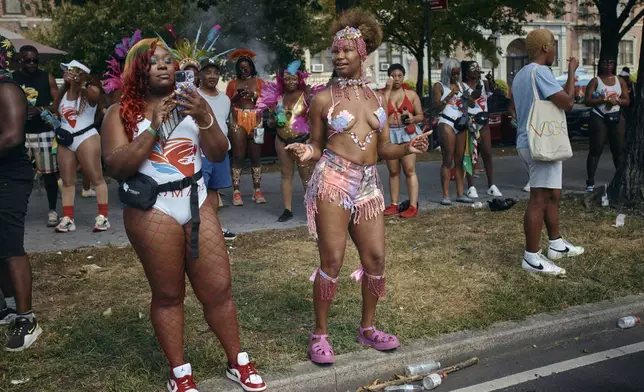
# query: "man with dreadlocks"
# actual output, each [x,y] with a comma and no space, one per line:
[245,122]
[15,188]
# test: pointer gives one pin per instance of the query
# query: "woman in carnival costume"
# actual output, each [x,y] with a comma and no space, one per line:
[289,99]
[348,132]
[246,122]
[180,233]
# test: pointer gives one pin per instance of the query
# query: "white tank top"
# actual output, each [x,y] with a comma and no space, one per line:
[481,102]
[452,109]
[609,91]
[73,121]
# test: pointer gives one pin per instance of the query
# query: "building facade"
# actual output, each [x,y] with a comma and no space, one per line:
[19,16]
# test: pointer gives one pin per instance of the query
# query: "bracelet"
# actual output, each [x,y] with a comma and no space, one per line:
[153,131]
[212,121]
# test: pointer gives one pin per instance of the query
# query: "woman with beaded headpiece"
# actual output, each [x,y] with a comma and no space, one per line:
[348,132]
[245,122]
[288,99]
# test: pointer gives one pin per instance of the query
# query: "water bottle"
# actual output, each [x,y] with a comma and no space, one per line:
[628,322]
[404,388]
[50,119]
[477,205]
[432,381]
[605,202]
[422,368]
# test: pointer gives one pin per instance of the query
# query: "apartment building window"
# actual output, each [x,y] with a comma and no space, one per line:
[322,62]
[589,51]
[13,7]
[626,52]
[387,55]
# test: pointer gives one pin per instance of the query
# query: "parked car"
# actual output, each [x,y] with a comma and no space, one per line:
[577,120]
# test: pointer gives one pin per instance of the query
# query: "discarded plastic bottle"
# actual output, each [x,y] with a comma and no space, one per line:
[404,388]
[422,368]
[432,381]
[628,322]
[477,205]
[605,202]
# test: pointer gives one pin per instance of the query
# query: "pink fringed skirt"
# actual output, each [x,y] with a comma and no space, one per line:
[353,187]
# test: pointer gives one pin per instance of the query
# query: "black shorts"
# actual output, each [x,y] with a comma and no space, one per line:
[14,197]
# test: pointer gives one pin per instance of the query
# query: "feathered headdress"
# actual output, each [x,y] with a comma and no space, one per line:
[191,53]
[113,81]
[242,54]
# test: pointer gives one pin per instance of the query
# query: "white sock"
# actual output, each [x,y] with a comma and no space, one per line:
[182,371]
[532,258]
[558,244]
[11,302]
[30,315]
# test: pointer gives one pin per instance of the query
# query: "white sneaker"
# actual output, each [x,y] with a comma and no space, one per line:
[101,223]
[544,266]
[52,219]
[569,250]
[66,225]
[526,188]
[494,191]
[472,193]
[88,193]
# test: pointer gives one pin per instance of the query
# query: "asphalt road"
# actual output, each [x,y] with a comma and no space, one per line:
[601,358]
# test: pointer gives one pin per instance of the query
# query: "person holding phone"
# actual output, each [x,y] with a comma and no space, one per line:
[79,143]
[480,90]
[246,123]
[165,235]
[404,112]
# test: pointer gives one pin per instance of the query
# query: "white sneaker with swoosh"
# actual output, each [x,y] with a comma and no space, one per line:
[542,265]
[569,250]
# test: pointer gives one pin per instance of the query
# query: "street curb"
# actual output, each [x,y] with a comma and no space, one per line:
[364,366]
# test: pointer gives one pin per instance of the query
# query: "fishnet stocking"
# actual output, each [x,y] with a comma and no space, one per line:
[159,242]
[210,277]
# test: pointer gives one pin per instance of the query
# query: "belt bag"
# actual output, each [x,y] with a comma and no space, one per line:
[66,138]
[612,117]
[482,118]
[460,124]
[140,191]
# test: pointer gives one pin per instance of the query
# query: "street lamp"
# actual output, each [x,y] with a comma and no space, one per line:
[494,39]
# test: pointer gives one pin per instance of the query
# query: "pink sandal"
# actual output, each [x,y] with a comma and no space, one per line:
[379,340]
[321,352]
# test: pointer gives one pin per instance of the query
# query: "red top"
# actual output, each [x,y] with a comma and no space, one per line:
[406,103]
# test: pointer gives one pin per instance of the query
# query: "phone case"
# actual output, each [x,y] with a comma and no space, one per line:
[188,84]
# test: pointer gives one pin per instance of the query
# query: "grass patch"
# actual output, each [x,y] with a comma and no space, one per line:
[448,270]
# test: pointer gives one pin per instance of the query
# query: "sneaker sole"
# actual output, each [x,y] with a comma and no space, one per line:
[29,340]
[65,231]
[539,272]
[558,255]
[99,229]
[244,387]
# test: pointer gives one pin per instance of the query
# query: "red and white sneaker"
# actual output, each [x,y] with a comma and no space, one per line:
[244,374]
[181,379]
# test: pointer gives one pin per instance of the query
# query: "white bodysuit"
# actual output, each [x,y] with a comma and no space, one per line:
[174,161]
[74,122]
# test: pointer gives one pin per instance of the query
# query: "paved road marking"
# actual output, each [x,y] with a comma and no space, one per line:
[555,368]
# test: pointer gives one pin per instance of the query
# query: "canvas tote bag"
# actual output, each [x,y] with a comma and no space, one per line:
[547,130]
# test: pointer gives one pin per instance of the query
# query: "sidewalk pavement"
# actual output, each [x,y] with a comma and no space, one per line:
[509,172]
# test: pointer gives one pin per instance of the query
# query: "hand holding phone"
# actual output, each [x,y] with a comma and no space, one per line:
[184,80]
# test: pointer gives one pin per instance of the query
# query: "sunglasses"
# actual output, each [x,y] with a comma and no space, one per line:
[474,67]
[30,61]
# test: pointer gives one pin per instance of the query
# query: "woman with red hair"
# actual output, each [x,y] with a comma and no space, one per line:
[288,99]
[168,216]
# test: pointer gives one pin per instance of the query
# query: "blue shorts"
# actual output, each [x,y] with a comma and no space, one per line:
[216,175]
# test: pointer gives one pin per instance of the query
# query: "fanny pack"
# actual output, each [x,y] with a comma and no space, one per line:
[612,118]
[460,124]
[297,139]
[140,191]
[258,135]
[66,138]
[482,118]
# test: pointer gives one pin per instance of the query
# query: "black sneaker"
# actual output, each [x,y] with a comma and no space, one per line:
[7,315]
[23,334]
[286,216]
[228,235]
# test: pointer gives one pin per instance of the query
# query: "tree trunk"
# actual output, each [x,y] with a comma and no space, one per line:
[420,81]
[627,187]
[609,30]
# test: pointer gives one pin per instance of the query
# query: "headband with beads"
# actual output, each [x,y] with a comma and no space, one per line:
[350,34]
